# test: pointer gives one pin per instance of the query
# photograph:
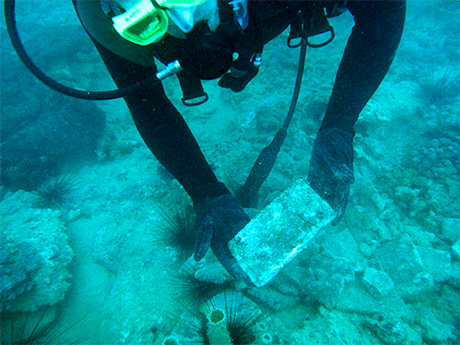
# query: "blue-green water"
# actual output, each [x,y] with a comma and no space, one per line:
[388,273]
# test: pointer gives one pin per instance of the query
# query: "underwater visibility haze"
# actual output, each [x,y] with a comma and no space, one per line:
[96,236]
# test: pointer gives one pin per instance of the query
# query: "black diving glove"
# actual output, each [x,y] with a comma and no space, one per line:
[331,168]
[218,220]
[237,80]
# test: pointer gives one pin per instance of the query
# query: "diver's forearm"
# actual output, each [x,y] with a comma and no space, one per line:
[368,55]
[163,129]
[171,141]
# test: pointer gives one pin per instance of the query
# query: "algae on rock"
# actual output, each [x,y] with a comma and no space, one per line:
[34,255]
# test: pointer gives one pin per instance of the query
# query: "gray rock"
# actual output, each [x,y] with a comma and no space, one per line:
[420,236]
[377,282]
[401,260]
[332,327]
[332,263]
[34,255]
[389,331]
[271,298]
[450,229]
[355,298]
[343,245]
[208,270]
[436,263]
[433,330]
[455,274]
[326,278]
[18,263]
[368,248]
[456,250]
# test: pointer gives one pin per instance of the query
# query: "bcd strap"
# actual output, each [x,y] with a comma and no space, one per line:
[335,8]
[295,31]
[314,21]
[192,89]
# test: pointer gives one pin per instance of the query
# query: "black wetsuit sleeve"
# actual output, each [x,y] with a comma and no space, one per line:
[163,129]
[368,55]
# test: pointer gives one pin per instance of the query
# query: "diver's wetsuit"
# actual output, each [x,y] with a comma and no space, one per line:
[367,58]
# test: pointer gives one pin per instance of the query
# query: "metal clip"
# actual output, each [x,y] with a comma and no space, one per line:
[171,68]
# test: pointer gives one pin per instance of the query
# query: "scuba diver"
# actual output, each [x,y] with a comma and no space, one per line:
[224,39]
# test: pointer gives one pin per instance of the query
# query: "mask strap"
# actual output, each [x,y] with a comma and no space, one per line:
[115,8]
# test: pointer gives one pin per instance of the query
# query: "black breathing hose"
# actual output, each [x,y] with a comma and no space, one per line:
[248,193]
[89,95]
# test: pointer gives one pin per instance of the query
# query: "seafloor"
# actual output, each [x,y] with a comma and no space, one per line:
[97,257]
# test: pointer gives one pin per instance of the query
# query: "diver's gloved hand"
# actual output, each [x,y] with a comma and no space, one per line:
[237,80]
[218,220]
[331,168]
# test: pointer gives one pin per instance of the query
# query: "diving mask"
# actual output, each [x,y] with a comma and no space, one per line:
[146,21]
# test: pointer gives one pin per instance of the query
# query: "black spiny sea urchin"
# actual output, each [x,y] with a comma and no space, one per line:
[177,231]
[54,192]
[39,328]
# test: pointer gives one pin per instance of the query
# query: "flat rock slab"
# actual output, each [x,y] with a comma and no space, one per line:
[280,232]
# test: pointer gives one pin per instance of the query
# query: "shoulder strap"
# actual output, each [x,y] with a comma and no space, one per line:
[192,89]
